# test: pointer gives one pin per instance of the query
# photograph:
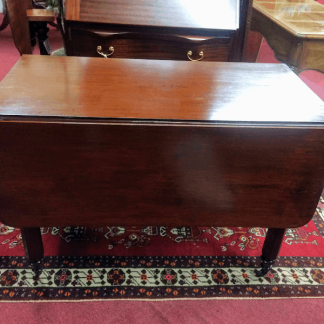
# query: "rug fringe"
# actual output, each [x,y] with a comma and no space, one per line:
[154,300]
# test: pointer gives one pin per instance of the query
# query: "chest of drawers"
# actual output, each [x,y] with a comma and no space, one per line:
[157,29]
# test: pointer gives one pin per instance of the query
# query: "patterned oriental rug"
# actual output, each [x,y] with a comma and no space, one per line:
[162,263]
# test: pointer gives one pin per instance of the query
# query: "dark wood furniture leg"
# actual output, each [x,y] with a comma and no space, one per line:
[41,31]
[34,250]
[32,34]
[270,250]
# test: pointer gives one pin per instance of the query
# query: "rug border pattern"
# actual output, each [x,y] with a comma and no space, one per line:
[291,277]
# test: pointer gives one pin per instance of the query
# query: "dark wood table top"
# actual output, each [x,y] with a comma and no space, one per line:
[156,90]
[208,14]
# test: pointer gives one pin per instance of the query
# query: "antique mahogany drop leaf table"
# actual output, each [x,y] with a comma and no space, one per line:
[137,142]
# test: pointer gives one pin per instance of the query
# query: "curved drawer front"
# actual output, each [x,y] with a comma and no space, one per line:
[149,46]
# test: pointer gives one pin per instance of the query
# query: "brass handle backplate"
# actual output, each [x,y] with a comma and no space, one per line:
[201,54]
[111,49]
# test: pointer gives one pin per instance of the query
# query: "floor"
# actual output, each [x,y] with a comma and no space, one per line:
[279,311]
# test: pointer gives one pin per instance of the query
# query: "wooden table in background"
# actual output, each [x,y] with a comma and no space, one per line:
[137,142]
[293,29]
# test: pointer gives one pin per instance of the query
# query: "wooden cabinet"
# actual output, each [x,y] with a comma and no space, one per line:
[149,46]
[156,29]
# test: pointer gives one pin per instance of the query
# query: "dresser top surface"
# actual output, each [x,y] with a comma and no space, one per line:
[206,14]
[303,18]
[66,87]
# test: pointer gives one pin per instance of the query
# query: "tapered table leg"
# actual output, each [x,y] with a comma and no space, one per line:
[34,250]
[270,250]
[32,33]
[41,31]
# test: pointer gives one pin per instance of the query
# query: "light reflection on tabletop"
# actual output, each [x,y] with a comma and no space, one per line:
[159,90]
[210,14]
[208,11]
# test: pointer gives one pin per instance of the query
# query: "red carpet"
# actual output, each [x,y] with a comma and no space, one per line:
[283,311]
[161,262]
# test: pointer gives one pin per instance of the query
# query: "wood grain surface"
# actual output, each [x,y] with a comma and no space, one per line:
[88,174]
[40,15]
[157,90]
[19,25]
[132,142]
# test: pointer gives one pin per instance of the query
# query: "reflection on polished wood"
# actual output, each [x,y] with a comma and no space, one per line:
[40,15]
[294,30]
[208,14]
[163,90]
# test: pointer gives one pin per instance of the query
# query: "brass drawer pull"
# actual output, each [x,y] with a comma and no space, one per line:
[111,49]
[201,54]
